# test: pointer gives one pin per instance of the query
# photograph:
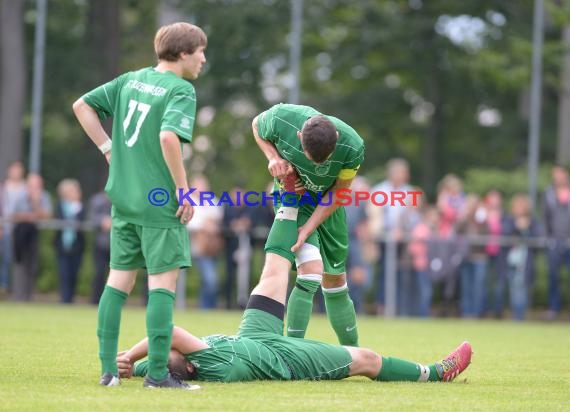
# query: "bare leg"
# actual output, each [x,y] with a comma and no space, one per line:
[274,278]
[365,362]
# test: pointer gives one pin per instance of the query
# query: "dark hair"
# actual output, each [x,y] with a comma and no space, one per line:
[177,368]
[319,136]
[176,38]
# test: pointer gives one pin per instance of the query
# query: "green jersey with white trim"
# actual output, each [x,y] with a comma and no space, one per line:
[236,358]
[143,103]
[280,124]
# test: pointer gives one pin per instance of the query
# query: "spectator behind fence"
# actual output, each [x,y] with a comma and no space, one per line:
[13,189]
[69,242]
[262,216]
[31,206]
[206,241]
[407,285]
[100,217]
[451,202]
[520,257]
[385,220]
[447,254]
[423,234]
[359,267]
[473,270]
[237,225]
[556,210]
[496,253]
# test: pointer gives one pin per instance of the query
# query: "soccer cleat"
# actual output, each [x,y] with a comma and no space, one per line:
[455,363]
[168,382]
[289,183]
[108,379]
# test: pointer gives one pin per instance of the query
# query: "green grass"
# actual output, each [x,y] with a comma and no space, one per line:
[48,361]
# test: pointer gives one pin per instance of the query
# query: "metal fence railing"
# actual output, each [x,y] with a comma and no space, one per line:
[391,256]
[390,250]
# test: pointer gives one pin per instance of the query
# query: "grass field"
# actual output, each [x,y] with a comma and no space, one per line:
[48,361]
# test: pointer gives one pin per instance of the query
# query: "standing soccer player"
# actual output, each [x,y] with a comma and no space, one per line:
[153,112]
[326,153]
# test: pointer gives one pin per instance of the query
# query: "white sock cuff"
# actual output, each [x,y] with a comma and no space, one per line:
[334,290]
[311,277]
[424,373]
[287,213]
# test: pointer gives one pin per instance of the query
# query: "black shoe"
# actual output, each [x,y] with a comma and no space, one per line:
[108,379]
[168,382]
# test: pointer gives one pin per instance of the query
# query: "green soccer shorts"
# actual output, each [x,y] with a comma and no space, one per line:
[156,249]
[307,359]
[331,237]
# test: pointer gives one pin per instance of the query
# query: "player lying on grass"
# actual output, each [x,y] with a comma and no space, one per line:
[259,351]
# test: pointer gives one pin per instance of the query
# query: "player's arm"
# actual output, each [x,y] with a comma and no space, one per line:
[277,166]
[172,153]
[182,341]
[322,212]
[90,122]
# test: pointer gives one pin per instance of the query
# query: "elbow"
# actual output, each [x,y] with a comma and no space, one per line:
[81,108]
[77,105]
[254,123]
[168,138]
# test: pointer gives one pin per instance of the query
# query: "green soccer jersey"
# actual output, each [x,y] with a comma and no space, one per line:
[233,359]
[236,358]
[144,103]
[280,125]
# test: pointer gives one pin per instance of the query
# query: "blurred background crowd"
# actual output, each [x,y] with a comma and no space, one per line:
[468,102]
[463,254]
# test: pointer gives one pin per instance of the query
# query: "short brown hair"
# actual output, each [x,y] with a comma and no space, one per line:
[319,136]
[177,366]
[176,38]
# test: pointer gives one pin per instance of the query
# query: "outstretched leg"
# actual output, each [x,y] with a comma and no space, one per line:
[366,362]
[274,278]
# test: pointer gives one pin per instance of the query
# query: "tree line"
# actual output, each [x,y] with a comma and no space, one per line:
[443,84]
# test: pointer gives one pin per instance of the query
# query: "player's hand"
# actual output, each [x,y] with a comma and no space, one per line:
[108,157]
[279,167]
[186,211]
[125,365]
[302,236]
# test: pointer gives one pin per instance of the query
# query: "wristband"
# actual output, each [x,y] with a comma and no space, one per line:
[106,147]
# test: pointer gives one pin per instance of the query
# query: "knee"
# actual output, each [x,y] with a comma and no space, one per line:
[309,260]
[366,362]
[370,357]
[312,267]
[334,281]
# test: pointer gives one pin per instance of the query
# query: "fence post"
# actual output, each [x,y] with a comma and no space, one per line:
[180,300]
[390,269]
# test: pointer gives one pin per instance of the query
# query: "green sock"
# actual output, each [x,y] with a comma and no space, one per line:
[108,324]
[394,369]
[341,314]
[300,304]
[159,330]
